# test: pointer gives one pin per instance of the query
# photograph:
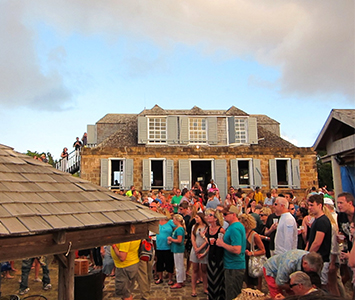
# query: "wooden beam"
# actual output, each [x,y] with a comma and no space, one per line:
[59,237]
[154,227]
[12,248]
[66,278]
[342,145]
[62,259]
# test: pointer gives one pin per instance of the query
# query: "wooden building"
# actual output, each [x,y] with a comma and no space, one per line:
[337,138]
[160,148]
[45,211]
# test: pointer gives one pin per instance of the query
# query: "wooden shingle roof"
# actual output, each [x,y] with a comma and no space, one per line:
[37,198]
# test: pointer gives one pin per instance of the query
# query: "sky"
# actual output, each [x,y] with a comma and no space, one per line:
[65,64]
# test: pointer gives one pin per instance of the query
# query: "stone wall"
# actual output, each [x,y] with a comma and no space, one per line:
[91,159]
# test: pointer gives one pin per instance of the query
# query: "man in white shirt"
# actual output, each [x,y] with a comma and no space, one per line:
[286,234]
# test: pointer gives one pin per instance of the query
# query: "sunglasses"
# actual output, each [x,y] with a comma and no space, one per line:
[152,206]
[226,214]
[210,215]
[262,215]
[292,285]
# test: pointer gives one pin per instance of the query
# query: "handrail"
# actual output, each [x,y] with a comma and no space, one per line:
[70,165]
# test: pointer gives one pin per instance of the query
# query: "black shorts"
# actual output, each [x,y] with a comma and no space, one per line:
[165,261]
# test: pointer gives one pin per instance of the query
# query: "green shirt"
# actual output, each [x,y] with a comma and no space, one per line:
[176,200]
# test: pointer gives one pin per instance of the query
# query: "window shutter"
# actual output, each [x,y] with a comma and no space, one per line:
[142,130]
[172,124]
[146,174]
[184,173]
[91,131]
[212,130]
[220,168]
[128,173]
[234,173]
[273,173]
[231,130]
[257,173]
[252,131]
[184,130]
[296,178]
[104,173]
[169,174]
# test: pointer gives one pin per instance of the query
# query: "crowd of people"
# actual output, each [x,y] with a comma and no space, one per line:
[306,243]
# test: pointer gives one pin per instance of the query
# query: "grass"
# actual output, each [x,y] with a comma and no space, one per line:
[11,286]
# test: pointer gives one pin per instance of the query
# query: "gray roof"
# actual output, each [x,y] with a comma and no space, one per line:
[157,110]
[127,135]
[37,198]
[344,116]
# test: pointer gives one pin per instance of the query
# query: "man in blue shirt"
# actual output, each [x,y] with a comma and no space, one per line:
[234,243]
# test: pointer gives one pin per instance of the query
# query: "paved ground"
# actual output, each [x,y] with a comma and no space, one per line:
[158,291]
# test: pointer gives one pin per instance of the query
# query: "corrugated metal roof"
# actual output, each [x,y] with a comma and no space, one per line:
[36,198]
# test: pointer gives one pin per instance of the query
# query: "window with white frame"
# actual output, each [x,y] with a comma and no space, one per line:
[283,172]
[241,136]
[157,173]
[117,173]
[157,131]
[244,172]
[198,130]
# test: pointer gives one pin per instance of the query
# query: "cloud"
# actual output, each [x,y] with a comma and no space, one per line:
[21,81]
[310,42]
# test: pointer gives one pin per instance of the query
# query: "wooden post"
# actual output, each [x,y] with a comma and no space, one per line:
[338,188]
[66,278]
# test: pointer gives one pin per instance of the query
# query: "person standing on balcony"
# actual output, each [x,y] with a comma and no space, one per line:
[84,139]
[64,155]
[77,145]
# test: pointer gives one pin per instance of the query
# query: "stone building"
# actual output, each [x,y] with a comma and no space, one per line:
[174,148]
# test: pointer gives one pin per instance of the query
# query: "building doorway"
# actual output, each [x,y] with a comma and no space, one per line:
[201,171]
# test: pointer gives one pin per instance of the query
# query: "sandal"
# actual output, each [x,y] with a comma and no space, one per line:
[198,281]
[159,281]
[193,295]
[176,286]
[170,282]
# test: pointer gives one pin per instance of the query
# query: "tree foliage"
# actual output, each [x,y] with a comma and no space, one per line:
[325,175]
[49,156]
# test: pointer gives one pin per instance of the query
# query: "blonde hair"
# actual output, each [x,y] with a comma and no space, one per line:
[248,221]
[193,211]
[217,214]
[180,219]
[266,211]
[329,215]
[165,212]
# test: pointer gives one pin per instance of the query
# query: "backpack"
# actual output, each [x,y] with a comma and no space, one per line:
[146,250]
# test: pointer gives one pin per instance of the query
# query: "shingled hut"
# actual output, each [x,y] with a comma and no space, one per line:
[45,211]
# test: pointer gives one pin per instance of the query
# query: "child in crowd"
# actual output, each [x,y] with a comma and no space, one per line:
[178,249]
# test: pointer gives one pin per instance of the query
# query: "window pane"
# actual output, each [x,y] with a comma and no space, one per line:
[240,130]
[157,130]
[197,130]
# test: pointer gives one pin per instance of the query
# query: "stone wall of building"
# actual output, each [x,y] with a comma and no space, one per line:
[91,160]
